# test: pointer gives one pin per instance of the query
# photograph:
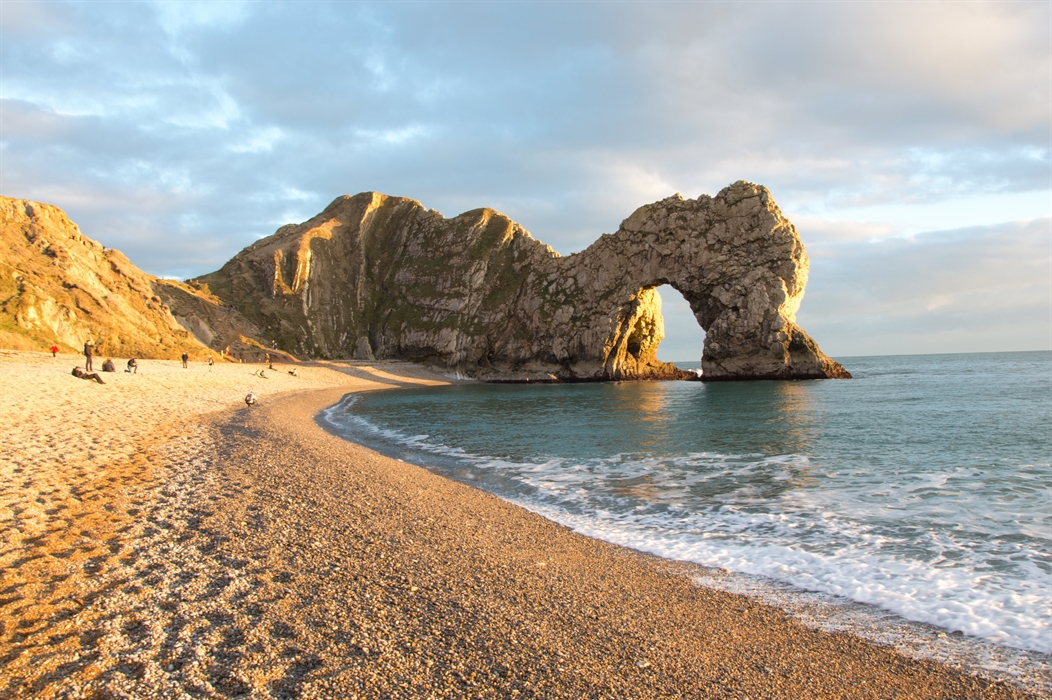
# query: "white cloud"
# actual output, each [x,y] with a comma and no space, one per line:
[383,79]
[390,137]
[258,140]
[989,288]
[178,16]
[684,338]
[206,105]
[868,121]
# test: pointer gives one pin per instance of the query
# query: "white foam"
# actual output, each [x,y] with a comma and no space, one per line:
[801,537]
[954,598]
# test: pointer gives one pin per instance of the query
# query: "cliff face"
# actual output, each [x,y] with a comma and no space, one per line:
[378,276]
[57,286]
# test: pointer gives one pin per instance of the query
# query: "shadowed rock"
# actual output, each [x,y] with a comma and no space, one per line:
[374,276]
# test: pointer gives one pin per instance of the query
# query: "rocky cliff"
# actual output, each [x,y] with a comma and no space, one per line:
[378,276]
[60,287]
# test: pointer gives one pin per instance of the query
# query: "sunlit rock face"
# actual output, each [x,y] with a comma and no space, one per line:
[57,286]
[374,276]
[739,264]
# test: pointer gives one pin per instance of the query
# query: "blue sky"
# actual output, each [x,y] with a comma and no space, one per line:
[908,142]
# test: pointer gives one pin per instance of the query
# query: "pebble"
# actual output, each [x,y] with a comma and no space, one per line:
[431,607]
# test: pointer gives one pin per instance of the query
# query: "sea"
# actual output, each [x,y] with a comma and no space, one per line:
[911,505]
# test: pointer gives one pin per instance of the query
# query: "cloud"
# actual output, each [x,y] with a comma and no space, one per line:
[986,288]
[684,339]
[177,17]
[176,131]
[979,289]
[257,140]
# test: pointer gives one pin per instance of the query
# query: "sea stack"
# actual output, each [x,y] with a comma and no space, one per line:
[380,277]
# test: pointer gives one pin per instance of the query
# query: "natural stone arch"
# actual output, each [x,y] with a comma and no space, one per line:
[738,263]
[378,276]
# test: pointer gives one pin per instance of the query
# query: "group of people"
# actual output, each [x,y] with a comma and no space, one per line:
[89,357]
[107,366]
[133,365]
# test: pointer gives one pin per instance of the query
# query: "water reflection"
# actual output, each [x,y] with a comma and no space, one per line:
[787,479]
[769,418]
[661,443]
[798,411]
[647,406]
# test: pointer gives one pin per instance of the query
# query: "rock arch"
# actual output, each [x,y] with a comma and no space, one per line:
[738,263]
[378,276]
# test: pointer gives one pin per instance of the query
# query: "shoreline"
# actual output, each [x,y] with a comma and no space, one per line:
[248,551]
[1028,669]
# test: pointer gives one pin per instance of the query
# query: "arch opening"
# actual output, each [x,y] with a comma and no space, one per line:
[684,338]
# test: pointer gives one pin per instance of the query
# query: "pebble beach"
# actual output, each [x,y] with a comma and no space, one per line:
[161,539]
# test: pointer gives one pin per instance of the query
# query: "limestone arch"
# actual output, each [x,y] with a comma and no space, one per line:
[738,263]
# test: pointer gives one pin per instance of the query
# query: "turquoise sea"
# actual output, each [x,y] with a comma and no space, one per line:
[922,489]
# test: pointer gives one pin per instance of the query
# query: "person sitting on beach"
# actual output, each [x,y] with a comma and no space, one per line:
[133,366]
[259,373]
[81,374]
[293,371]
[108,365]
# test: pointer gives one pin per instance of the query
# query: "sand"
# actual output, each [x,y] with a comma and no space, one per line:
[161,539]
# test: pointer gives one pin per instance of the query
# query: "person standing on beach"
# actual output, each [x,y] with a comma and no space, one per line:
[210,362]
[87,355]
[54,350]
[185,359]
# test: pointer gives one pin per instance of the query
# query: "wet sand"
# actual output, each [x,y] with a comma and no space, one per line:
[160,539]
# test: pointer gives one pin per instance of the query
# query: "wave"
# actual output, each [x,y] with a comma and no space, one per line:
[743,513]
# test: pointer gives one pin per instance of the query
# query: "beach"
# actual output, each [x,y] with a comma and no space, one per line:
[162,539]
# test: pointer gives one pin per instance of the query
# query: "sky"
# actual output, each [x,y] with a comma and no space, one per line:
[909,142]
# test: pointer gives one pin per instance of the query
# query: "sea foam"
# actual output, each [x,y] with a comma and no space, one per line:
[642,504]
[919,499]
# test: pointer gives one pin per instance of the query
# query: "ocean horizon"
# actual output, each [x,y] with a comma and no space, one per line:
[911,505]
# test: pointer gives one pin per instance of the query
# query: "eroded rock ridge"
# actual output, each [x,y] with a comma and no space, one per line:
[57,286]
[375,276]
